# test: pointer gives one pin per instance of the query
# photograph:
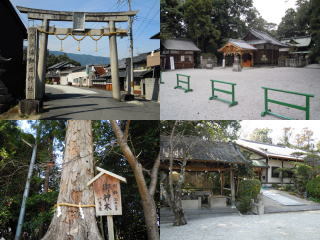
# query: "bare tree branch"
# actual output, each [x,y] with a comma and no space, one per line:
[154,175]
[148,204]
[126,131]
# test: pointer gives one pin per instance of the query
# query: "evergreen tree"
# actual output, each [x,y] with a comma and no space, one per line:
[315,30]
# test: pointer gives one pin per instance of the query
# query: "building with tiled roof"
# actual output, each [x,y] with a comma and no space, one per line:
[267,159]
[256,48]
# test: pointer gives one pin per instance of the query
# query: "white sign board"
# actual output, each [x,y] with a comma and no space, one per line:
[172,63]
[79,19]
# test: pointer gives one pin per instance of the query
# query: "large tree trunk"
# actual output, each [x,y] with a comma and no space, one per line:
[148,204]
[77,170]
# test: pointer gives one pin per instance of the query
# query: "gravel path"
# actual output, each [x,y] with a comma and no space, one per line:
[279,226]
[175,104]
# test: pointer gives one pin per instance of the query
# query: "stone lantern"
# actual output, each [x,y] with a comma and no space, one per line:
[236,64]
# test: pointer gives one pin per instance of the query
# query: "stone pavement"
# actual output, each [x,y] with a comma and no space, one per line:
[278,226]
[166,215]
[272,206]
[66,102]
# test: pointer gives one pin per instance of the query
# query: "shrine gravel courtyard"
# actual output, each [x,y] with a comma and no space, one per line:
[280,226]
[195,105]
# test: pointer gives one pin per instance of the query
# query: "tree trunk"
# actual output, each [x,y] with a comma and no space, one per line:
[179,218]
[176,191]
[148,204]
[77,170]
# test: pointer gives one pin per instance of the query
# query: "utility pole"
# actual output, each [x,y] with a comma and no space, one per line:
[130,81]
[26,190]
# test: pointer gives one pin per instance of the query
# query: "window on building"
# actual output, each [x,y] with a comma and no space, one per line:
[288,173]
[182,58]
[274,172]
[188,58]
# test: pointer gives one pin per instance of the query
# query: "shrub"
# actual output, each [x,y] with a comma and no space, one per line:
[275,185]
[302,174]
[313,187]
[288,188]
[248,189]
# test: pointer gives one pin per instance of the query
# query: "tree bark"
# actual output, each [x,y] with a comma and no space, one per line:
[176,192]
[77,170]
[148,204]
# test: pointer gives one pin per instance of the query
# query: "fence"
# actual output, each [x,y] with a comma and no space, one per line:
[232,92]
[185,82]
[292,62]
[268,100]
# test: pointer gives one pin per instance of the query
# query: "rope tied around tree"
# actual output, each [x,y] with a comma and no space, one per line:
[80,206]
[74,205]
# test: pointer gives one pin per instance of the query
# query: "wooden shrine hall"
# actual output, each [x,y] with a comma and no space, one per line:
[204,156]
[236,47]
[256,48]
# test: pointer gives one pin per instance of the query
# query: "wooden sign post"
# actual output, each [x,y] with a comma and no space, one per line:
[107,196]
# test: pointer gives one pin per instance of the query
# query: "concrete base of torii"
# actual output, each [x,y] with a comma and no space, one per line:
[30,106]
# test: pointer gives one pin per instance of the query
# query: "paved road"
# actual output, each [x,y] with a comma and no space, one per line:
[278,226]
[66,102]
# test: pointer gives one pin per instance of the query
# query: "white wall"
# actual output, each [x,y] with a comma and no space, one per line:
[64,80]
[278,163]
[74,78]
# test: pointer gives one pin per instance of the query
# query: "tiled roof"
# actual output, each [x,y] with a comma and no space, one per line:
[180,44]
[58,65]
[73,69]
[156,36]
[265,36]
[123,73]
[242,44]
[298,41]
[256,42]
[273,151]
[99,70]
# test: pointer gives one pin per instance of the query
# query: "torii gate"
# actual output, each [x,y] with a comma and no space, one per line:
[38,41]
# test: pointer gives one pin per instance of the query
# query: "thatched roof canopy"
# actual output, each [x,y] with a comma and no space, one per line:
[200,150]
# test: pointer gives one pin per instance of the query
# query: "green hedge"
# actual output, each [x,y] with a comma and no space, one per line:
[248,189]
[313,187]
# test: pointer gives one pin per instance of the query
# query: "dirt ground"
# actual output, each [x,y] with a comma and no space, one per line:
[279,226]
[176,104]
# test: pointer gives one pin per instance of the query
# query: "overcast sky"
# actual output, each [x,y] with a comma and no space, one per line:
[247,126]
[146,24]
[273,10]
